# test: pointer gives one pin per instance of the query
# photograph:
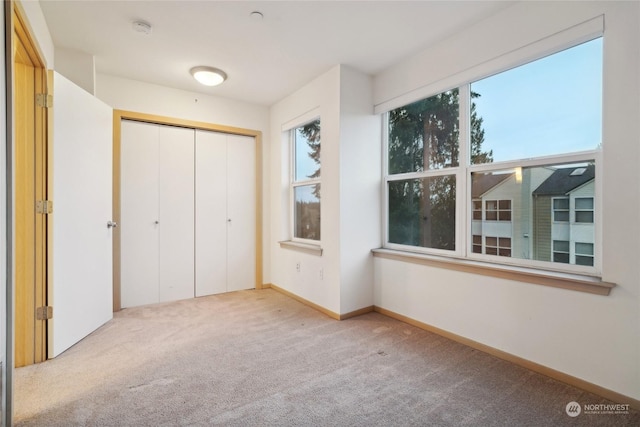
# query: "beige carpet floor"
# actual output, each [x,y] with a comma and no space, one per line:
[259,358]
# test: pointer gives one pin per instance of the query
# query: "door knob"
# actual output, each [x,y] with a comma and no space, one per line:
[112,224]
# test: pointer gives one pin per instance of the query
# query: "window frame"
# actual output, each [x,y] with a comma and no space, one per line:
[577,210]
[583,254]
[463,174]
[554,210]
[293,183]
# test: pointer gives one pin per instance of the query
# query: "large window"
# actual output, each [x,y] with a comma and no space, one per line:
[502,169]
[423,150]
[305,181]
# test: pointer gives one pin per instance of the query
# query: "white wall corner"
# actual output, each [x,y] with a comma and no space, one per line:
[360,196]
[79,67]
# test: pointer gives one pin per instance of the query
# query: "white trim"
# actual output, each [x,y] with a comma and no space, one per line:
[293,184]
[463,178]
[561,159]
[431,173]
[312,248]
[551,44]
[302,119]
[463,186]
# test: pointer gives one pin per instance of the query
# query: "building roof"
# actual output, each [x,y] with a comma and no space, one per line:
[483,182]
[565,180]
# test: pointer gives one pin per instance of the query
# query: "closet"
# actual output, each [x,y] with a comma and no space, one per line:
[188,213]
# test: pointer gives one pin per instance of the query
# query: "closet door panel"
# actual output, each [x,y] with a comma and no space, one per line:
[176,208]
[139,213]
[211,213]
[241,208]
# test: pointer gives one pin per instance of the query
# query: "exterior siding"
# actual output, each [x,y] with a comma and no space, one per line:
[542,228]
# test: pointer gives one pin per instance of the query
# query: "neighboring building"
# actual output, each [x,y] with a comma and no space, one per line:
[502,211]
[563,216]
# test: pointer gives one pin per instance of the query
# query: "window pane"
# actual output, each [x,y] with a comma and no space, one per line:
[561,257]
[307,212]
[536,226]
[584,216]
[561,246]
[424,135]
[584,260]
[584,248]
[422,212]
[307,151]
[561,204]
[504,215]
[504,205]
[561,216]
[584,203]
[549,106]
[504,252]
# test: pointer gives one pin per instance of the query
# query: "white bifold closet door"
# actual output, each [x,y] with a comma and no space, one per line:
[225,227]
[157,213]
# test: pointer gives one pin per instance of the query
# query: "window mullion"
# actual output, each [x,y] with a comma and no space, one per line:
[463,187]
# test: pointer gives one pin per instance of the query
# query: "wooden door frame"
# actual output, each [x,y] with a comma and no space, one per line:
[43,228]
[118,116]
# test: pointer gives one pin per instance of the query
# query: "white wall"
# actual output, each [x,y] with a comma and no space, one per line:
[131,95]
[595,338]
[350,217]
[323,93]
[79,67]
[360,196]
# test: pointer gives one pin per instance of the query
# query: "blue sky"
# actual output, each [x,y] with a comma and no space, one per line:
[305,165]
[549,106]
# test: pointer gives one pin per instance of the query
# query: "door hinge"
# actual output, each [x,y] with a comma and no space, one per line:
[44,313]
[44,100]
[44,207]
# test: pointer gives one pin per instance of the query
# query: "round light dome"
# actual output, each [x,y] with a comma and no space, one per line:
[208,76]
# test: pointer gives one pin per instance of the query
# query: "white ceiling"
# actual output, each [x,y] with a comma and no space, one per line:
[266,60]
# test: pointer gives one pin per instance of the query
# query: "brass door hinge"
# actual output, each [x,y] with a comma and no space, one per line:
[44,100]
[44,207]
[44,313]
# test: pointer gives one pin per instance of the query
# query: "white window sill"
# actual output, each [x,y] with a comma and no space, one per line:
[302,247]
[570,281]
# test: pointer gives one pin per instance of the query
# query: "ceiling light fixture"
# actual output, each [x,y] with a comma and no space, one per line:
[208,76]
[142,27]
[256,16]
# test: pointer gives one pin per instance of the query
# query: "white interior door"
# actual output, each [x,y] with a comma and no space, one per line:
[139,199]
[176,207]
[81,291]
[211,213]
[241,210]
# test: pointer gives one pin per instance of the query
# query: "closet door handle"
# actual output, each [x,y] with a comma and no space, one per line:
[229,220]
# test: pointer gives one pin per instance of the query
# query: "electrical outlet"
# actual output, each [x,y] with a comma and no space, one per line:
[321,273]
[298,266]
